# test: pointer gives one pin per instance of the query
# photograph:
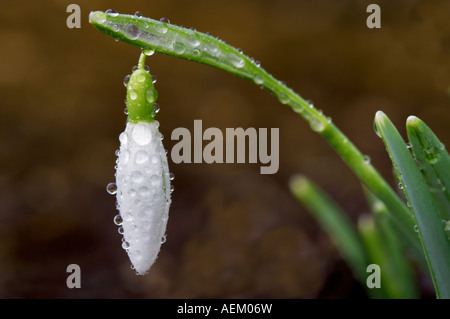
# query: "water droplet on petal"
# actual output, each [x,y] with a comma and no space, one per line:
[141,134]
[172,188]
[125,110]
[120,230]
[137,177]
[154,79]
[156,107]
[163,239]
[141,157]
[111,188]
[171,176]
[123,138]
[125,245]
[118,220]
[165,20]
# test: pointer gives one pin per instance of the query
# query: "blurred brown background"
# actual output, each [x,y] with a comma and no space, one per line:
[232,232]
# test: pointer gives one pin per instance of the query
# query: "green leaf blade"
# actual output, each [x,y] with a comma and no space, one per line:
[433,237]
[434,160]
[334,221]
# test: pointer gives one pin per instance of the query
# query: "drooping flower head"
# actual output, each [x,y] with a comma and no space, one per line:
[142,176]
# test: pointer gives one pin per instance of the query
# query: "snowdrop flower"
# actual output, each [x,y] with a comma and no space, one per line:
[142,176]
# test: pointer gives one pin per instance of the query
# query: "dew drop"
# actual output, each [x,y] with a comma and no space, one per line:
[172,188]
[316,125]
[196,52]
[126,80]
[171,176]
[150,95]
[117,152]
[125,245]
[148,52]
[416,228]
[125,110]
[258,79]
[112,12]
[284,99]
[141,157]
[165,20]
[120,230]
[118,220]
[156,107]
[163,239]
[154,79]
[179,48]
[193,40]
[116,28]
[154,179]
[101,17]
[409,145]
[132,31]
[140,78]
[137,177]
[111,188]
[400,185]
[144,191]
[141,134]
[257,63]
[366,159]
[133,94]
[236,60]
[138,14]
[146,68]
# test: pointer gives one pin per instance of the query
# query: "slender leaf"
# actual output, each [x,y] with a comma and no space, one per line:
[434,160]
[431,231]
[397,274]
[334,221]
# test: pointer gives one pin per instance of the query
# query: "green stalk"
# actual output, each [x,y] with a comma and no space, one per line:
[189,44]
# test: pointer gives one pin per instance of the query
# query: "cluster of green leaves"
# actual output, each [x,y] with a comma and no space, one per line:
[421,225]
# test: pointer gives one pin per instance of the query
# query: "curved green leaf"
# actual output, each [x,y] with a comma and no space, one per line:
[434,240]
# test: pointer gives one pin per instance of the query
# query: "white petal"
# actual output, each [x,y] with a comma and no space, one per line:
[143,192]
